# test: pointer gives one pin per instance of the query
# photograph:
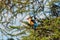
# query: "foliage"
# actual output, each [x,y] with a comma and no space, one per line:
[50,31]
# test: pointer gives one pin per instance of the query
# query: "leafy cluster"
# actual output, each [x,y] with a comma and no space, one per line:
[49,31]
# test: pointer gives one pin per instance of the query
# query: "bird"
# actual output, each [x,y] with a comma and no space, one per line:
[32,22]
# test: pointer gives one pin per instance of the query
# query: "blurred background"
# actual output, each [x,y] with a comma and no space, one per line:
[14,23]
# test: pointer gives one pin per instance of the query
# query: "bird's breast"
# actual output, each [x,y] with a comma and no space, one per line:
[31,23]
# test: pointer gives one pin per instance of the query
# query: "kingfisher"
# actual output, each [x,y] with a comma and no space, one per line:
[32,22]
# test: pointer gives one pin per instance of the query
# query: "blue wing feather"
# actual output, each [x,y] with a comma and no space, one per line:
[35,25]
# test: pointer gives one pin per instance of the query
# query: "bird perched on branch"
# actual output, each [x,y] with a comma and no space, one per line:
[32,22]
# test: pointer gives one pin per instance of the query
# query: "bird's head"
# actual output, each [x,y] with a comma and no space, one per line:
[29,18]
